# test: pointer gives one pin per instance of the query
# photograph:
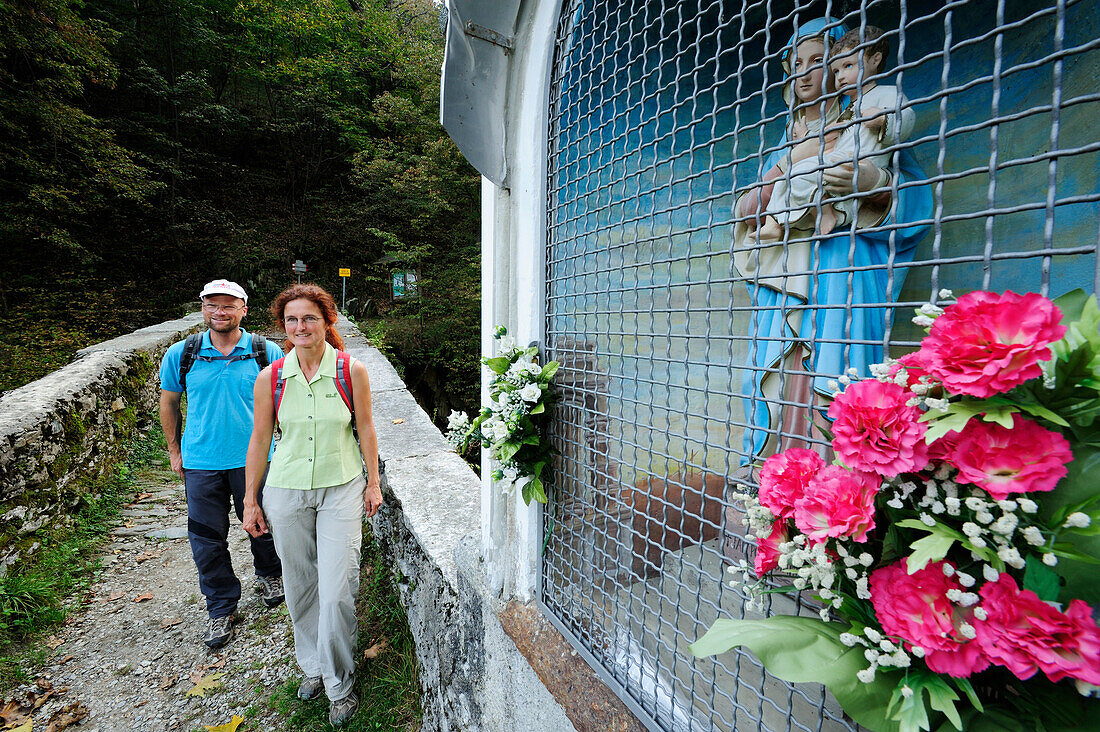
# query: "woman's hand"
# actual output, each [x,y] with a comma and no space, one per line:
[253,520]
[372,498]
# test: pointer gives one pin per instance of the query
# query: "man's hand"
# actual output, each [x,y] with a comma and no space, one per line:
[253,520]
[372,497]
[176,461]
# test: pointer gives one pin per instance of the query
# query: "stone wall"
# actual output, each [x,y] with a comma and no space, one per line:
[61,434]
[472,675]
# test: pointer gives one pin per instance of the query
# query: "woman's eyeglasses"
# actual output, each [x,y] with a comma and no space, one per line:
[306,320]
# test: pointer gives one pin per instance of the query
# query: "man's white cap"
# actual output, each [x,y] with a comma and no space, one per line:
[223,287]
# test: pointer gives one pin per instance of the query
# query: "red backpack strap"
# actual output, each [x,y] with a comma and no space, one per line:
[343,380]
[277,382]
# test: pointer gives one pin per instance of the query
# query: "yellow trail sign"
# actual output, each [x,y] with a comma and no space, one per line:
[345,272]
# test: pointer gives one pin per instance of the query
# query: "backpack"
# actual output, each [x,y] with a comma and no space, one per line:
[193,343]
[343,383]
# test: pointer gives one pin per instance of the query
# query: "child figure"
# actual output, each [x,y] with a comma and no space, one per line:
[797,193]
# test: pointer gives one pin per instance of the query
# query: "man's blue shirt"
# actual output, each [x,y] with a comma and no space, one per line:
[218,422]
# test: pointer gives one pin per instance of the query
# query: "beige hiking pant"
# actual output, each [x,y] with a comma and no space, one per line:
[318,535]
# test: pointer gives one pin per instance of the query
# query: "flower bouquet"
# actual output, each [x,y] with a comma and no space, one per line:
[953,543]
[512,418]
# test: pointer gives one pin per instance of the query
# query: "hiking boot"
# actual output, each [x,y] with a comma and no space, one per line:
[218,631]
[341,711]
[271,590]
[311,688]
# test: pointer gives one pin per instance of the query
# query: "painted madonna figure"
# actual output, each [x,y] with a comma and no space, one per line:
[822,300]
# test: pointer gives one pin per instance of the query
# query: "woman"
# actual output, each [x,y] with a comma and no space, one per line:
[813,317]
[315,494]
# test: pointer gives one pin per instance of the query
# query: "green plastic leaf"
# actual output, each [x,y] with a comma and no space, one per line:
[1041,579]
[931,548]
[1038,410]
[549,370]
[498,365]
[938,529]
[1077,489]
[534,491]
[808,650]
[505,452]
[538,408]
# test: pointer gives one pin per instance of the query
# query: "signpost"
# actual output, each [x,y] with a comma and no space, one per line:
[345,272]
[299,268]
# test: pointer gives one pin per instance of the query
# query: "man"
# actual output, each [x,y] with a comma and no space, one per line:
[218,370]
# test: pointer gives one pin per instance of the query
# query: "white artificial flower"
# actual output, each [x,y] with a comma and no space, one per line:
[510,473]
[969,599]
[457,420]
[1027,505]
[848,639]
[974,503]
[922,321]
[966,630]
[872,635]
[1077,520]
[990,573]
[533,369]
[980,613]
[895,502]
[953,505]
[946,294]
[1032,535]
[927,520]
[865,559]
[931,310]
[507,343]
[1050,560]
[917,651]
[907,691]
[984,516]
[972,530]
[530,393]
[867,675]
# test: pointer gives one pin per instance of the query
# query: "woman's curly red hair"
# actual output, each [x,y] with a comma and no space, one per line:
[317,295]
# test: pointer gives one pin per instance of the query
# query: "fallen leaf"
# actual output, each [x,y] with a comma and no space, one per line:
[68,657]
[166,683]
[230,726]
[399,420]
[141,497]
[116,595]
[67,717]
[143,597]
[205,684]
[376,649]
[169,622]
[14,712]
[53,641]
[129,524]
[27,726]
[141,703]
[147,555]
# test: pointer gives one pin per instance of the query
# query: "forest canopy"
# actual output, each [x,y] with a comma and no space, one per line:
[147,146]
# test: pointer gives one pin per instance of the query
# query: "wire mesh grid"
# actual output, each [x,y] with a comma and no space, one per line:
[695,340]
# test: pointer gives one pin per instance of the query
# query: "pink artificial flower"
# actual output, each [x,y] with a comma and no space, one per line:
[914,368]
[767,548]
[1023,459]
[1025,634]
[874,430]
[915,607]
[837,502]
[783,479]
[986,343]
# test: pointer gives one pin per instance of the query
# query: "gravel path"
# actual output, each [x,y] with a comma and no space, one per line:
[132,653]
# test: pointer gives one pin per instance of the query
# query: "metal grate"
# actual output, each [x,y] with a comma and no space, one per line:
[690,350]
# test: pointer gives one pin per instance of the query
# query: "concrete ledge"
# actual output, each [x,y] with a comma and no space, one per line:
[471,673]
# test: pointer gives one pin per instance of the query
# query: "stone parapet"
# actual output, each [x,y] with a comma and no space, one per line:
[61,434]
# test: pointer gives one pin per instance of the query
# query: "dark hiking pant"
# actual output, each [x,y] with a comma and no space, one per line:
[209,493]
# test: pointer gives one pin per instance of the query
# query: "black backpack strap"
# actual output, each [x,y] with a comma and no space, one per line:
[187,358]
[259,350]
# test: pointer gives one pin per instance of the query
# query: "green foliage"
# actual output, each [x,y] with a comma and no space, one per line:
[217,138]
[387,685]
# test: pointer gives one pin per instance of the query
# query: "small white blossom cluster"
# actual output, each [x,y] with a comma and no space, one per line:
[881,651]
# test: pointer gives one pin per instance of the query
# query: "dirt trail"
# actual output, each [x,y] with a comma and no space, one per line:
[132,653]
